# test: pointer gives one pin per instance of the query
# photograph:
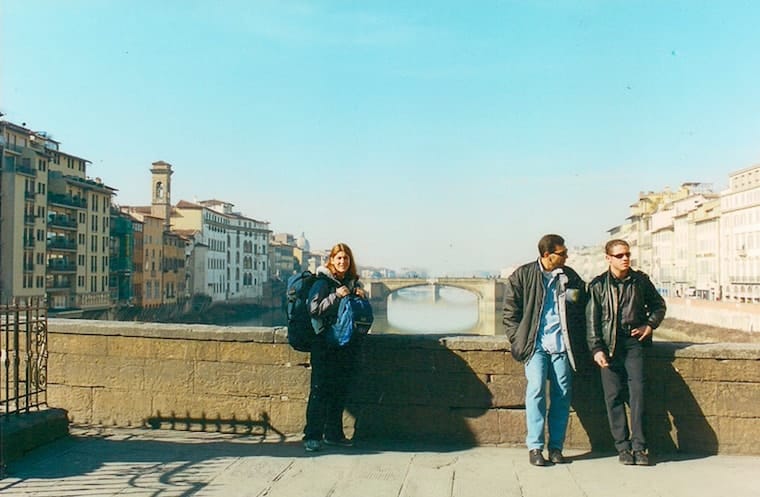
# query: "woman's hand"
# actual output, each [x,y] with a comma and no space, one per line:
[342,291]
[360,293]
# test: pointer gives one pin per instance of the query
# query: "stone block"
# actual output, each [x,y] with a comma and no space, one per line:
[256,380]
[186,350]
[726,370]
[77,401]
[737,400]
[506,391]
[115,407]
[288,416]
[697,398]
[484,426]
[77,344]
[98,371]
[134,347]
[169,375]
[738,435]
[253,353]
[512,426]
[484,362]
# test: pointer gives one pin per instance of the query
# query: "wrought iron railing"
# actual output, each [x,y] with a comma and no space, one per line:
[23,364]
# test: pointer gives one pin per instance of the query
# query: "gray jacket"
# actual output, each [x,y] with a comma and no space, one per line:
[523,302]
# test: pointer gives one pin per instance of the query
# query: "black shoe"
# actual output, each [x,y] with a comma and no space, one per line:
[536,457]
[555,456]
[625,457]
[339,442]
[641,458]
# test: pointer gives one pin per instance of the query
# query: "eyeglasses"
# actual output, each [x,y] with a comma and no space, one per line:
[561,254]
[621,255]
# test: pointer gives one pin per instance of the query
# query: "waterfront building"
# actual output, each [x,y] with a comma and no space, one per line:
[121,258]
[706,219]
[229,251]
[55,228]
[740,236]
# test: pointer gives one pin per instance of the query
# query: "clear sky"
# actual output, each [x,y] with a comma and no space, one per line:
[447,135]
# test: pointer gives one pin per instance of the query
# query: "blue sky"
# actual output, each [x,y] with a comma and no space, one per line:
[449,136]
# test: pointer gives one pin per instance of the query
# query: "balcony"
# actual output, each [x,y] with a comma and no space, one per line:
[67,200]
[61,266]
[59,286]
[27,170]
[28,267]
[29,218]
[29,195]
[62,244]
[64,222]
[28,242]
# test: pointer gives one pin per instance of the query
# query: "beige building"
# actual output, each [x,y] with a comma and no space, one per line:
[228,252]
[740,236]
[54,224]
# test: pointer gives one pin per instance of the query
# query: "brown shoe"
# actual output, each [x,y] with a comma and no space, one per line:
[555,456]
[536,457]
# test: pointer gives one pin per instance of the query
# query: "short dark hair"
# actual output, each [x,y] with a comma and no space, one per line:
[548,243]
[614,242]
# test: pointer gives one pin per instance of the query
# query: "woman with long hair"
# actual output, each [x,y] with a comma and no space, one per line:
[331,366]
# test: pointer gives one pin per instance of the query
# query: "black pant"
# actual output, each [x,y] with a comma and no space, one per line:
[332,369]
[623,381]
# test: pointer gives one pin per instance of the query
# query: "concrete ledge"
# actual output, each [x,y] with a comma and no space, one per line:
[23,432]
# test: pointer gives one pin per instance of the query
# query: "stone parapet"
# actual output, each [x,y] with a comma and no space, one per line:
[701,398]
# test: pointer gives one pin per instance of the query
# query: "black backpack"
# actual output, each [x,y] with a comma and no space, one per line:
[300,330]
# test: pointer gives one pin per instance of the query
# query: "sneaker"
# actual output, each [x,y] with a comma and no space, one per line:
[555,456]
[625,457]
[536,457]
[312,445]
[641,458]
[340,442]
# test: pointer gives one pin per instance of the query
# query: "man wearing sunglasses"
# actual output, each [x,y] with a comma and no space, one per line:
[623,309]
[544,303]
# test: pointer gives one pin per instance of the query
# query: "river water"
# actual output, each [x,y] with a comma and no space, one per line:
[409,310]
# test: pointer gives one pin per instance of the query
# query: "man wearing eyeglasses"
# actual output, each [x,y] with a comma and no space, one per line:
[544,303]
[624,308]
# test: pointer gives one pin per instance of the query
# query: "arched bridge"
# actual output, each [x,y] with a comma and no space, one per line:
[489,292]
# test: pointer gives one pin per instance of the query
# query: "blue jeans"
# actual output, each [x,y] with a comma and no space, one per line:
[556,368]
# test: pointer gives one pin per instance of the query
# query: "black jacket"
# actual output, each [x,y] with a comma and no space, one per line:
[648,307]
[523,301]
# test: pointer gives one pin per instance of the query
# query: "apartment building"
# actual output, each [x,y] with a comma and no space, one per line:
[228,251]
[54,224]
[740,236]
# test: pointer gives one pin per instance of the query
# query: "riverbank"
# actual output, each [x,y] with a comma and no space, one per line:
[675,330]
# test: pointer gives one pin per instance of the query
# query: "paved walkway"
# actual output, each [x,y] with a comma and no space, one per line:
[162,463]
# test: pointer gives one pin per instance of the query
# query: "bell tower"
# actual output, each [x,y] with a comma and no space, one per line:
[161,206]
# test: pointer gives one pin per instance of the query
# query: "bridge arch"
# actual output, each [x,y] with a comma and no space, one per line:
[489,293]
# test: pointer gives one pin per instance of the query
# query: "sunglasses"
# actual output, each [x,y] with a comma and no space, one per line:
[561,254]
[620,256]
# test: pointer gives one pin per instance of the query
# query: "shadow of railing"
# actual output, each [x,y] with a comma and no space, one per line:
[261,427]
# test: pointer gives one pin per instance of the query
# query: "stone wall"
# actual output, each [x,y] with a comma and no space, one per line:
[703,398]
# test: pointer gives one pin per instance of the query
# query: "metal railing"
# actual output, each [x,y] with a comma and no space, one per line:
[23,365]
[23,361]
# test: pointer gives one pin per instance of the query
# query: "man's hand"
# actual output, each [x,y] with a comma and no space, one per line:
[601,359]
[642,332]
